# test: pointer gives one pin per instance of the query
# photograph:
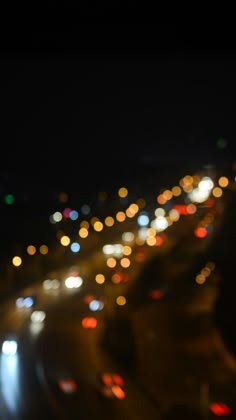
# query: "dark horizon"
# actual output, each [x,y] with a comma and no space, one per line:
[115,107]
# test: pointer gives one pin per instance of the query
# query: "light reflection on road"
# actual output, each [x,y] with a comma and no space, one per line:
[10,383]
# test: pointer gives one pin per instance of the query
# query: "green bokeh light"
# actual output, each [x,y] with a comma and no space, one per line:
[9,199]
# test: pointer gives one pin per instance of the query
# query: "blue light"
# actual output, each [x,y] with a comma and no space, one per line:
[75,247]
[94,305]
[143,220]
[74,215]
[28,302]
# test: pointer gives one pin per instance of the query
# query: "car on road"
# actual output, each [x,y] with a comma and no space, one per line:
[9,346]
[111,385]
[67,385]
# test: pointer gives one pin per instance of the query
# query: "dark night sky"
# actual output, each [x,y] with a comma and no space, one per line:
[90,98]
[86,106]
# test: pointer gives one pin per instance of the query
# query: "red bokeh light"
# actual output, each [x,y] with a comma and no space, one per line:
[159,240]
[156,294]
[220,409]
[200,232]
[89,322]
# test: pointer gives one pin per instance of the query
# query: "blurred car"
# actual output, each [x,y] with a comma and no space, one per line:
[51,284]
[27,299]
[67,385]
[89,322]
[220,409]
[112,385]
[186,412]
[38,316]
[9,346]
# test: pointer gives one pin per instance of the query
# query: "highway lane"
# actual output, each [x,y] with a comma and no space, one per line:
[81,358]
[95,263]
[58,354]
[191,307]
[21,392]
[15,319]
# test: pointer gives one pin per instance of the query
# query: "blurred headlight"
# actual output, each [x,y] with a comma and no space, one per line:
[38,316]
[9,347]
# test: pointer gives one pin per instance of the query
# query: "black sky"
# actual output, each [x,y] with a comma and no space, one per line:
[94,95]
